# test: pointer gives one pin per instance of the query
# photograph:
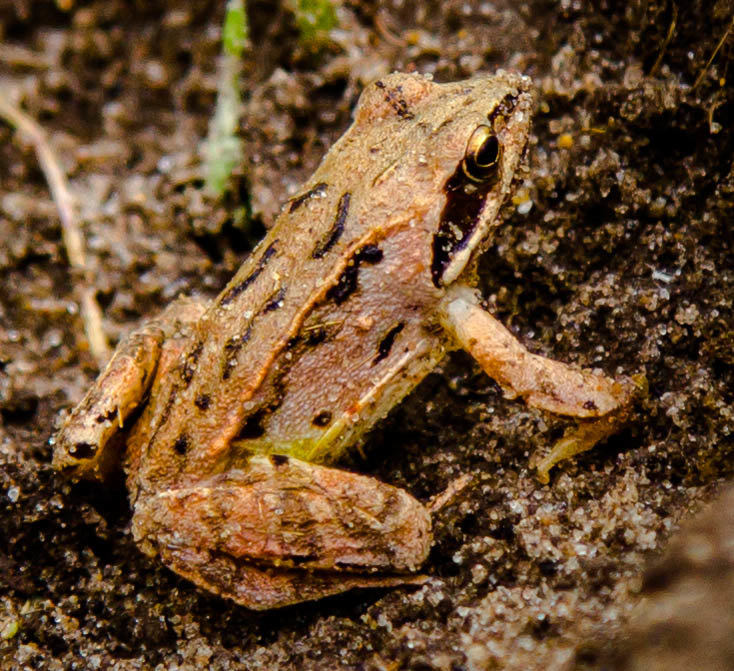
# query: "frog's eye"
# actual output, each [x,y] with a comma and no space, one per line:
[482,155]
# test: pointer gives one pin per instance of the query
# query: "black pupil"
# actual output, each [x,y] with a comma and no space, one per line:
[487,154]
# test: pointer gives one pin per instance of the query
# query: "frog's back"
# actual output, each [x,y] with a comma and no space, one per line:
[324,326]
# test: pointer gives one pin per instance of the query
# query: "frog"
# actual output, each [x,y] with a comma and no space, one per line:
[228,416]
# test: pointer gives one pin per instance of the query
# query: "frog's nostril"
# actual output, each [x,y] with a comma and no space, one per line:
[82,450]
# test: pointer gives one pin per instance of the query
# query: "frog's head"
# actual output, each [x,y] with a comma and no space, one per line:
[448,155]
[487,149]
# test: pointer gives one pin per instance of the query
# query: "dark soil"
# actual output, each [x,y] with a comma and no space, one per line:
[625,262]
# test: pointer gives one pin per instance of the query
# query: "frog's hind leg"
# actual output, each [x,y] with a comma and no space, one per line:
[601,404]
[280,531]
[85,447]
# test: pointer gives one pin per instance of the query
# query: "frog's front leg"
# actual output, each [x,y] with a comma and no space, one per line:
[277,531]
[87,445]
[601,403]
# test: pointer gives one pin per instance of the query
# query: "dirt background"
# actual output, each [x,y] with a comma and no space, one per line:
[624,262]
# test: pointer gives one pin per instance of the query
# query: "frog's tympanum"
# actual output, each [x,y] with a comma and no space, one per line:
[232,409]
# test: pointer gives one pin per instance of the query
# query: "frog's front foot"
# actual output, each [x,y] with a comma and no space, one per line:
[280,531]
[600,404]
[588,432]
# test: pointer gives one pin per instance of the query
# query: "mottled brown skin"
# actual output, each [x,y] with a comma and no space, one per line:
[357,292]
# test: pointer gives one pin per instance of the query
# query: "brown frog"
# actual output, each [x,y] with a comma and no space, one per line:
[364,283]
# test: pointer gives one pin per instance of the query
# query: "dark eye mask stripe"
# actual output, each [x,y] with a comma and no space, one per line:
[459,219]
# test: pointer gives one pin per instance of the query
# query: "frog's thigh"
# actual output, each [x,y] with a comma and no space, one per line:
[84,445]
[281,531]
[603,403]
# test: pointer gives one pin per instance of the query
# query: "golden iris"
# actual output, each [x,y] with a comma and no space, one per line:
[482,154]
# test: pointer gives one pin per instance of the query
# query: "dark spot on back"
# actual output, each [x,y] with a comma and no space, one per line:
[383,349]
[202,401]
[322,419]
[278,460]
[230,294]
[189,366]
[308,337]
[319,189]
[347,282]
[391,506]
[345,286]
[337,228]
[315,336]
[231,349]
[82,450]
[275,302]
[370,254]
[253,426]
[181,444]
[590,405]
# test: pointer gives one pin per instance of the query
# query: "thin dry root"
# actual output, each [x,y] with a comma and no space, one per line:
[449,495]
[72,236]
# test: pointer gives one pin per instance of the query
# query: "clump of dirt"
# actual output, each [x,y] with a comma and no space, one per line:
[623,262]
